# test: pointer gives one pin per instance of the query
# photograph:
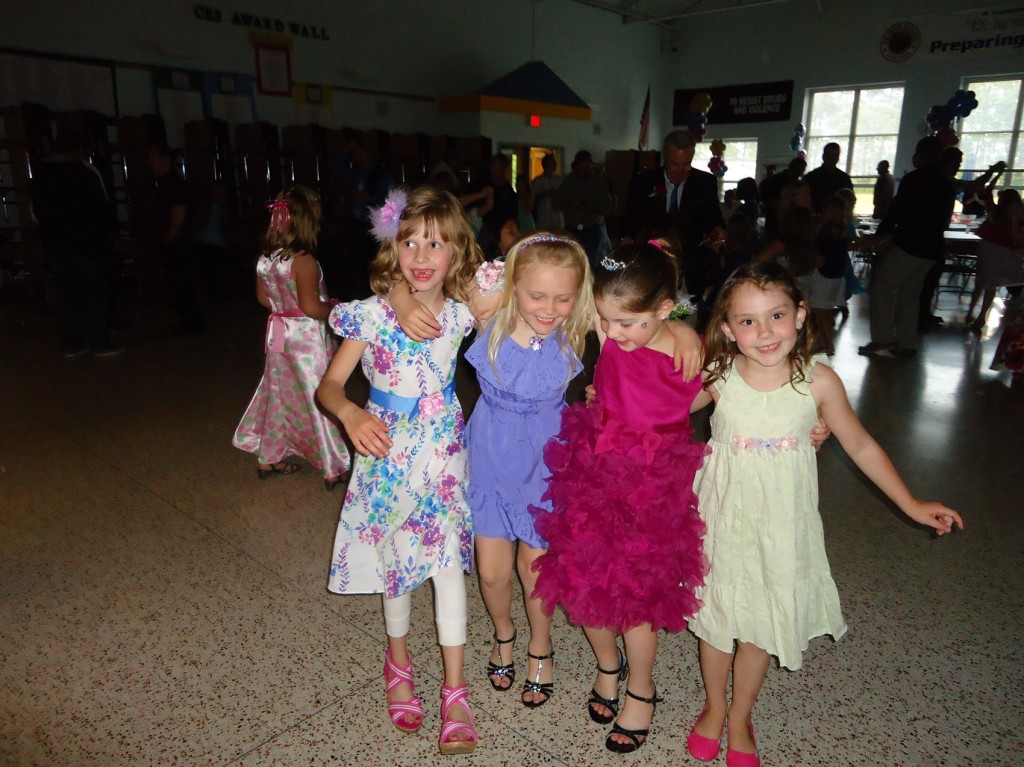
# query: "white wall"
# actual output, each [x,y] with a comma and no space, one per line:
[382,48]
[837,46]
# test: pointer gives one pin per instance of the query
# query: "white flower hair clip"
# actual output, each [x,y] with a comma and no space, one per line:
[386,218]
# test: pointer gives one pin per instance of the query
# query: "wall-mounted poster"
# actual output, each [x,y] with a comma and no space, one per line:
[273,70]
[751,103]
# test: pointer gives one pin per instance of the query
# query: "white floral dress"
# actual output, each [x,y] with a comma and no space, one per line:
[405,516]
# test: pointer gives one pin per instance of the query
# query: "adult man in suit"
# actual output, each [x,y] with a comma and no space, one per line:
[677,195]
[679,200]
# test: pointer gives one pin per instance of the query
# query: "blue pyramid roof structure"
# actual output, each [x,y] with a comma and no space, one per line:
[531,89]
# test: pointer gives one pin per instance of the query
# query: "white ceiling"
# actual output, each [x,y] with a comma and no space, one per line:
[671,13]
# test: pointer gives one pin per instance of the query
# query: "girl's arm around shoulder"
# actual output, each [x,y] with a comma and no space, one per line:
[689,349]
[830,395]
[706,396]
[306,271]
[368,433]
[412,315]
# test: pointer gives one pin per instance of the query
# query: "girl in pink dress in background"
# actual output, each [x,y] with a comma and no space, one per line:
[283,418]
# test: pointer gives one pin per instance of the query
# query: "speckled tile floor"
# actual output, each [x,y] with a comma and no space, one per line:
[160,606]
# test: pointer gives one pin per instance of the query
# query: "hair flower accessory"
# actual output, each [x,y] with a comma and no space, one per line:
[685,306]
[385,218]
[490,277]
[280,215]
[611,264]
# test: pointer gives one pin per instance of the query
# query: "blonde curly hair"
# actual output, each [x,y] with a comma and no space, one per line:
[441,215]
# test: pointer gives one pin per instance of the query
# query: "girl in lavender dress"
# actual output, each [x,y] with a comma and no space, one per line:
[524,358]
[405,518]
[283,419]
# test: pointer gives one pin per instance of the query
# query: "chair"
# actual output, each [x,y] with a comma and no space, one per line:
[957,275]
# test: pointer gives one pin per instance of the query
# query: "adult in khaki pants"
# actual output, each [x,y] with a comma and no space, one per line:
[916,221]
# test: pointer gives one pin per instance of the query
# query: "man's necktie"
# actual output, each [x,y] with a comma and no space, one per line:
[673,202]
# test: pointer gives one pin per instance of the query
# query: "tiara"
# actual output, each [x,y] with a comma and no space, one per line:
[611,264]
[546,238]
[385,218]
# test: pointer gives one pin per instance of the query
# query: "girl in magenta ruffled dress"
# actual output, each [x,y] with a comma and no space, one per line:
[624,535]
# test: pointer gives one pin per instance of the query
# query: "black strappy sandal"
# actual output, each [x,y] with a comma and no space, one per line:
[281,467]
[506,670]
[633,735]
[610,703]
[547,689]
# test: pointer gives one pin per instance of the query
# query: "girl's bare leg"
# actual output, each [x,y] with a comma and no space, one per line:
[641,649]
[496,562]
[540,622]
[715,666]
[748,673]
[606,651]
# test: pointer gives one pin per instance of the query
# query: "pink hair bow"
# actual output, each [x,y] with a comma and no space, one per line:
[280,215]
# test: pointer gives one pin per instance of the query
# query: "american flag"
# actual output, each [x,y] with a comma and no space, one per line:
[645,122]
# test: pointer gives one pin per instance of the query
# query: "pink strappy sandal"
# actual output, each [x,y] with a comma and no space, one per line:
[456,696]
[399,711]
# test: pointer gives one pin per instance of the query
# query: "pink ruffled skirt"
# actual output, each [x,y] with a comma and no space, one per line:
[625,540]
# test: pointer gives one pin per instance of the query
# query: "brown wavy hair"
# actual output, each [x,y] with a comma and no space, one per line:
[441,215]
[298,232]
[721,351]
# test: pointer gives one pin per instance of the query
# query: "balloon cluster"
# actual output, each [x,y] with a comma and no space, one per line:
[797,142]
[716,164]
[940,117]
[697,118]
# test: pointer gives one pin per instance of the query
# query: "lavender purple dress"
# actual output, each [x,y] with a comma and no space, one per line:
[519,410]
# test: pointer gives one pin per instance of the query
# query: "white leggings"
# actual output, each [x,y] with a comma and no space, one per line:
[449,609]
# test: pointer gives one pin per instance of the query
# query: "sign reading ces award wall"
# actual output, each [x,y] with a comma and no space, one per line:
[753,103]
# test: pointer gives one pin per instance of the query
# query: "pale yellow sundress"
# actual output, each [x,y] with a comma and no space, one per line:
[769,582]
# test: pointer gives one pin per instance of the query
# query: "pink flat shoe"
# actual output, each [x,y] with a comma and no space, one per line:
[741,758]
[456,696]
[704,749]
[400,711]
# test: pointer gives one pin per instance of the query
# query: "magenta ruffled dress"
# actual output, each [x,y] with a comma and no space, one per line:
[625,540]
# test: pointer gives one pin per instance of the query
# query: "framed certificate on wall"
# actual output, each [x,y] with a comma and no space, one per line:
[273,70]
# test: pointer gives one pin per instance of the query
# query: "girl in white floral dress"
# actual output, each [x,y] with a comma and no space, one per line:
[405,517]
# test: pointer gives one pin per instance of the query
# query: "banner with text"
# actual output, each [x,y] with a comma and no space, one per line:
[753,103]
